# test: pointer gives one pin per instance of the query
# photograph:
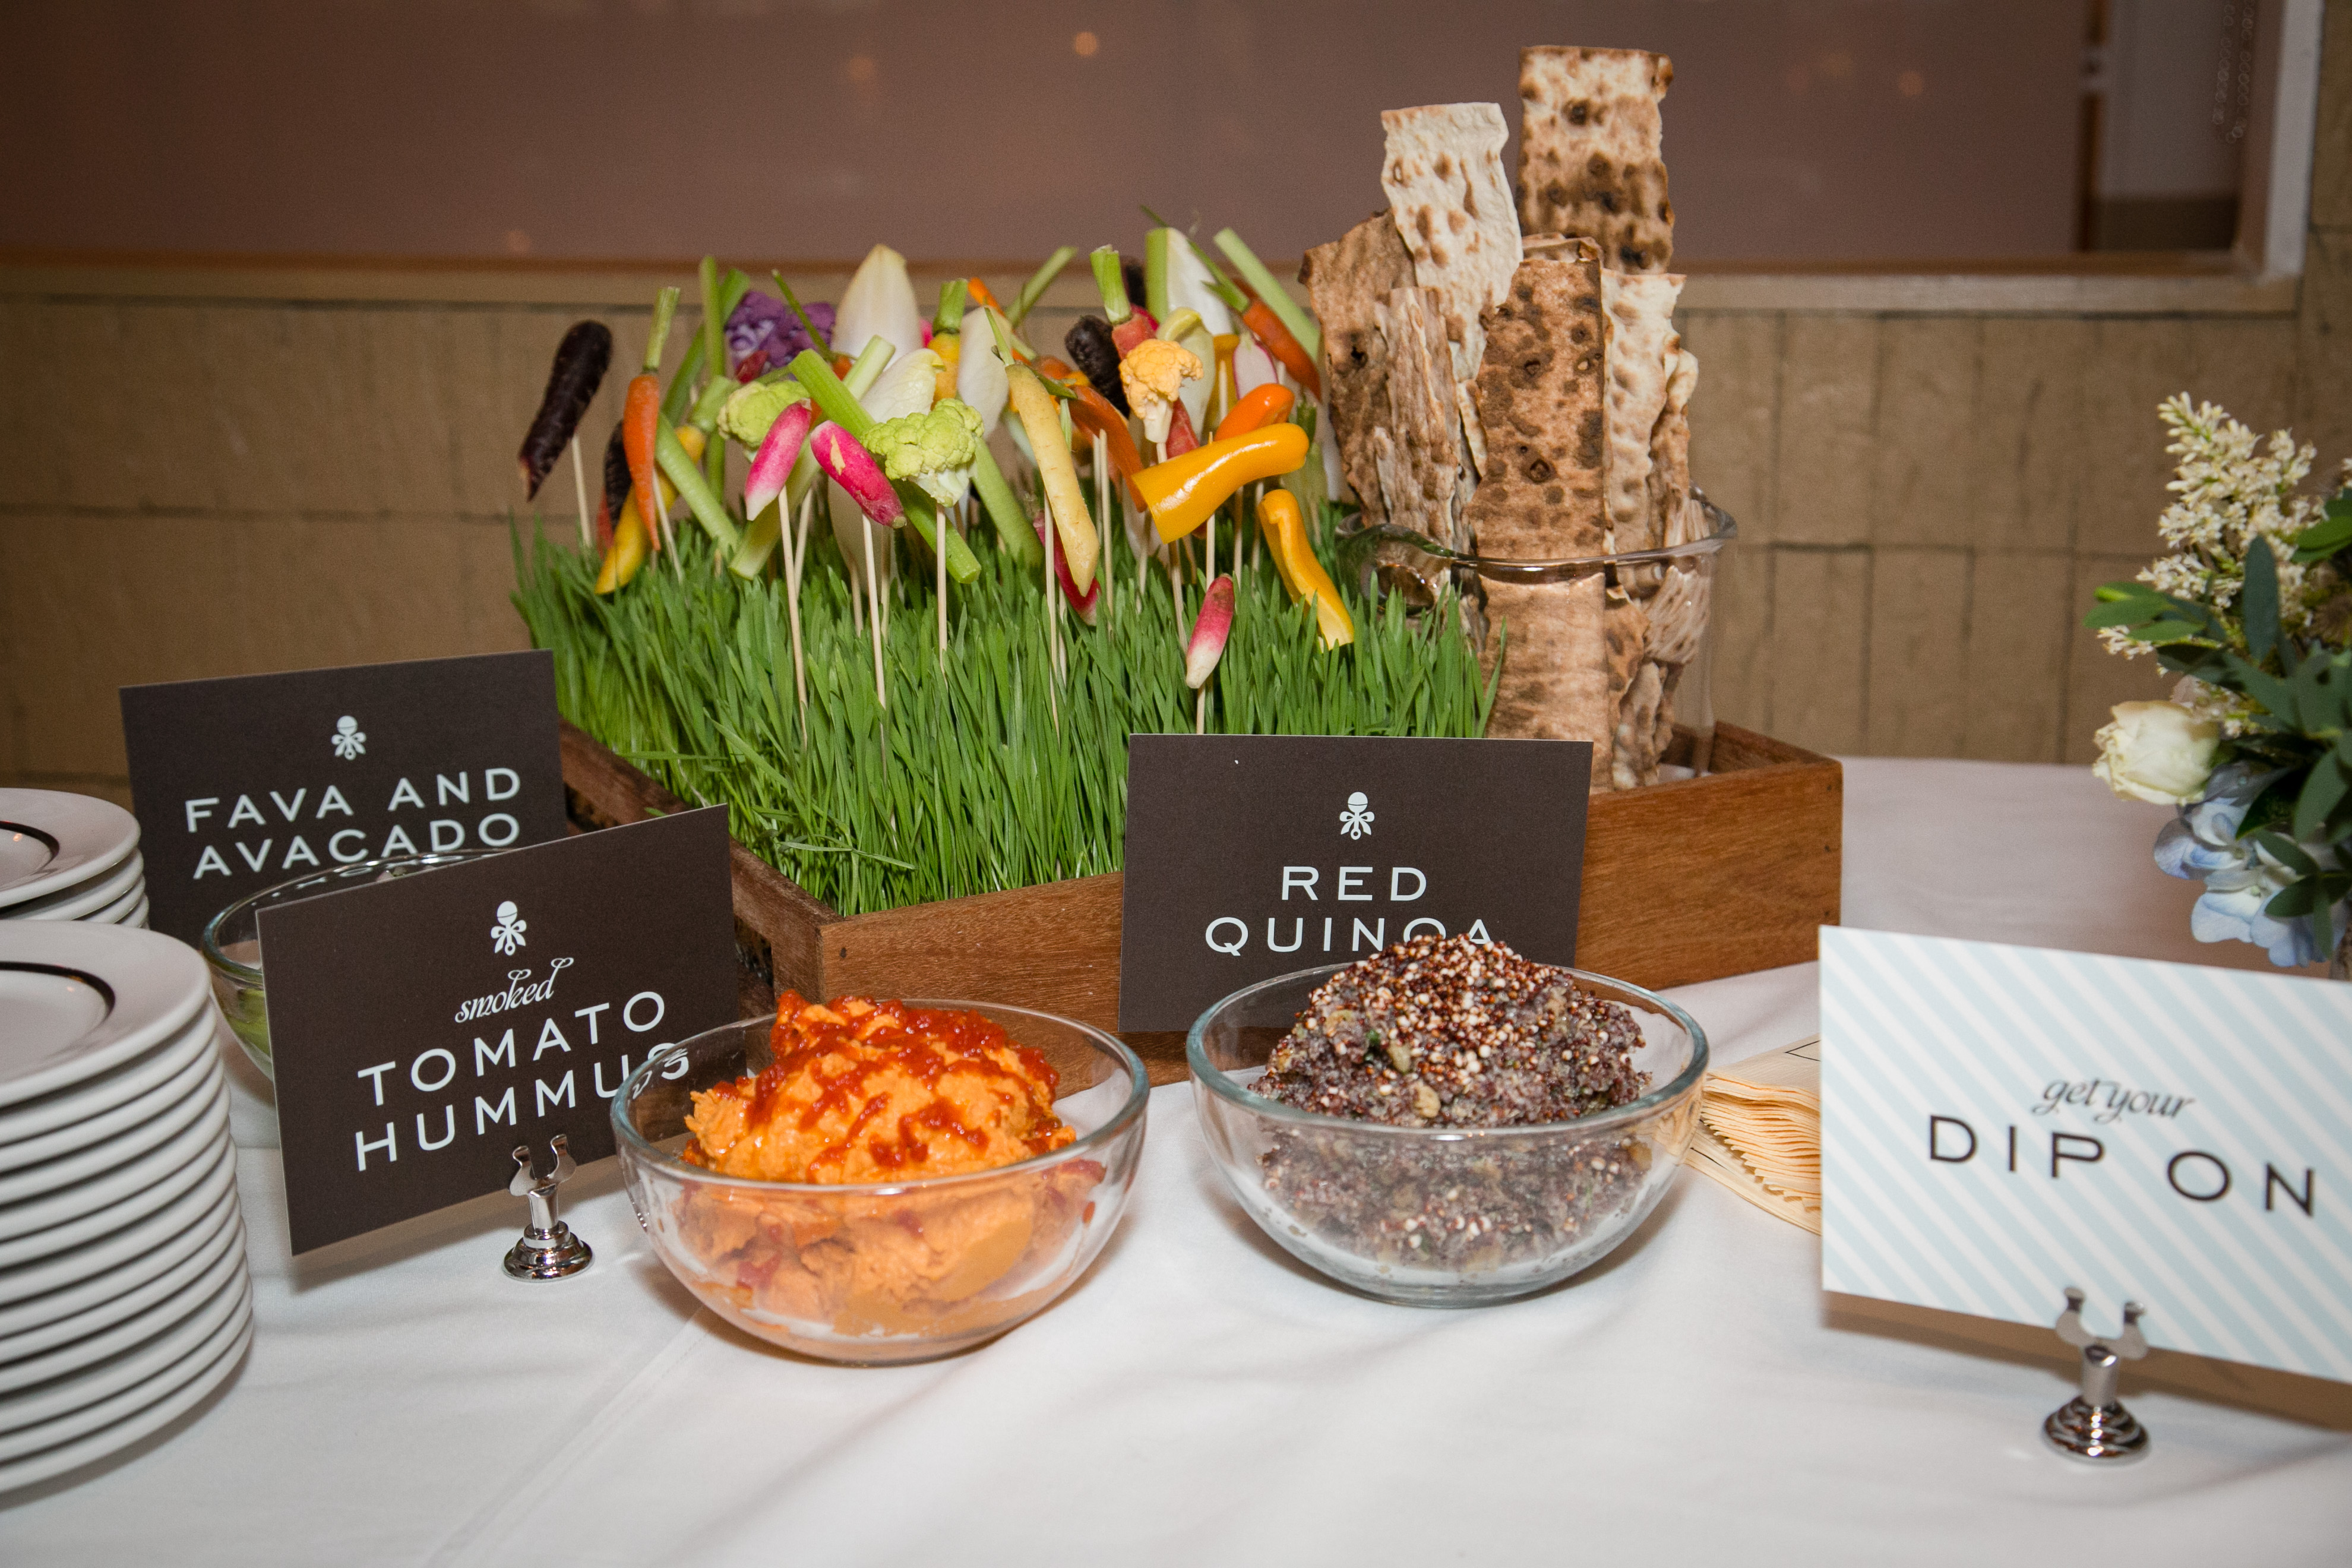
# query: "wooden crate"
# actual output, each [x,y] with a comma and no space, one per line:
[1683,882]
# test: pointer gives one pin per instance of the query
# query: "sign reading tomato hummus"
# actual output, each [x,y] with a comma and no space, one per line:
[422,1028]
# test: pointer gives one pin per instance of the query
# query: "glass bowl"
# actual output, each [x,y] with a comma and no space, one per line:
[232,939]
[1441,1216]
[874,1274]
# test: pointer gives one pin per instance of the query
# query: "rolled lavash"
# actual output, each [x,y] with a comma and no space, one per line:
[1541,397]
[1590,151]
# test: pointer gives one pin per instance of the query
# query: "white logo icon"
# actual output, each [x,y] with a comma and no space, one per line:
[1356,822]
[348,739]
[507,935]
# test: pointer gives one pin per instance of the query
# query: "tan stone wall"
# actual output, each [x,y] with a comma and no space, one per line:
[216,471]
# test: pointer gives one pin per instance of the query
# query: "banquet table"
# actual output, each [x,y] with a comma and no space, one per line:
[1202,1397]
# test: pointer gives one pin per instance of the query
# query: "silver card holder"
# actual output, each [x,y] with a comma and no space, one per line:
[547,1249]
[2093,1424]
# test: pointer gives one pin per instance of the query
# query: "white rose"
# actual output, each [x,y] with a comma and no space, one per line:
[2157,751]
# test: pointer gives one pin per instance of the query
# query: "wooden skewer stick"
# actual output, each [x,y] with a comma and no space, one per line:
[1102,511]
[792,549]
[939,525]
[874,603]
[580,488]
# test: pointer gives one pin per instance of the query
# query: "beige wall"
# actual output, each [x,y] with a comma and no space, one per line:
[212,473]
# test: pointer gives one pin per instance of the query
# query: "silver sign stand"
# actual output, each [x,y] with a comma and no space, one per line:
[547,1249]
[2093,1424]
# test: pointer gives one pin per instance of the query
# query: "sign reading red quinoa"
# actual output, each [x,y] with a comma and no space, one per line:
[1253,855]
[244,783]
[421,1028]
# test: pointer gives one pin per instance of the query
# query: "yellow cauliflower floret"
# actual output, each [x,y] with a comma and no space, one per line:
[1152,373]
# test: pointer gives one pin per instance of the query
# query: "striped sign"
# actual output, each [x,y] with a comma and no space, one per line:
[2001,1122]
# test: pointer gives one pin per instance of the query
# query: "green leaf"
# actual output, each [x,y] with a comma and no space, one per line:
[2324,789]
[2286,852]
[2259,609]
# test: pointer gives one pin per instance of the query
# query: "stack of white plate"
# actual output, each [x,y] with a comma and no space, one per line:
[123,1296]
[69,857]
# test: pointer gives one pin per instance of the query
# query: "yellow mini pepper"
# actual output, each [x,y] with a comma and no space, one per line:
[632,534]
[1183,492]
[1286,534]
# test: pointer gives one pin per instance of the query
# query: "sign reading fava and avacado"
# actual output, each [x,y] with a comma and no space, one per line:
[244,783]
[1253,855]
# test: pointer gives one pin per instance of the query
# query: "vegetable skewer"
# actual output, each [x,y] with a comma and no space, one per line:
[581,360]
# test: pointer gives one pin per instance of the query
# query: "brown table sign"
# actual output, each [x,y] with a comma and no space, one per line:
[424,1027]
[244,783]
[1253,855]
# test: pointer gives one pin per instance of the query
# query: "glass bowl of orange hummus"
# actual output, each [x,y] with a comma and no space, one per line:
[873,1181]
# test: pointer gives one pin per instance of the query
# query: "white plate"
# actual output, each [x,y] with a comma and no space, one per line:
[92,1162]
[134,1112]
[103,1344]
[208,1252]
[123,1263]
[51,1463]
[114,913]
[56,1412]
[56,1221]
[124,882]
[138,915]
[43,1119]
[71,838]
[156,986]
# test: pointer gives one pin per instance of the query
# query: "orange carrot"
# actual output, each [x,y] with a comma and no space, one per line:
[1091,412]
[641,410]
[1275,339]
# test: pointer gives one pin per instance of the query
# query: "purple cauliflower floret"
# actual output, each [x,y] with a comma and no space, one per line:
[763,324]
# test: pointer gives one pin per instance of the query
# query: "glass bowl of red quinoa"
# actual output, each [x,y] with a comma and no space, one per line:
[1447,1124]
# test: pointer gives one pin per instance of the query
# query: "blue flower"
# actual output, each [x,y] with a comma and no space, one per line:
[2240,876]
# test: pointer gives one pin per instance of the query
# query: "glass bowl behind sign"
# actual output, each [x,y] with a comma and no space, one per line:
[1441,1216]
[879,1273]
[232,939]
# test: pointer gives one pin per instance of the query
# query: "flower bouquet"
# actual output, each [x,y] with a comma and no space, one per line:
[2252,605]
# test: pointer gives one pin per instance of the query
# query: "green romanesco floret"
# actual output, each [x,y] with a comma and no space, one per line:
[751,408]
[937,450]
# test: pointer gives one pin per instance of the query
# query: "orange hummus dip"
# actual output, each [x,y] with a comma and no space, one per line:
[862,1091]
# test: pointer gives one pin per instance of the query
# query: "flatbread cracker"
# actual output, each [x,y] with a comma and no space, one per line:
[1555,679]
[1346,279]
[1414,450]
[1542,403]
[1443,177]
[1638,309]
[1669,482]
[1589,152]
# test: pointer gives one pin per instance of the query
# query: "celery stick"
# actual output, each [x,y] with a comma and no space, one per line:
[1155,271]
[1039,281]
[833,400]
[950,315]
[694,491]
[679,394]
[1270,290]
[1110,281]
[1004,510]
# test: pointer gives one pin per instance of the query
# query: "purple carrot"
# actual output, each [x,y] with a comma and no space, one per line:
[774,464]
[847,463]
[1209,633]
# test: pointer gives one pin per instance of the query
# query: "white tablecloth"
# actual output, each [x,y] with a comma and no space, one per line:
[1199,1397]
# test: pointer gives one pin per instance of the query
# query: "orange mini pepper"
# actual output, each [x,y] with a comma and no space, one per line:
[1183,492]
[1275,339]
[1279,520]
[1262,406]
